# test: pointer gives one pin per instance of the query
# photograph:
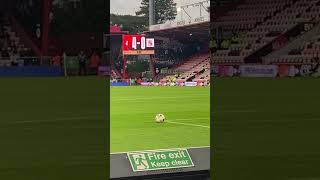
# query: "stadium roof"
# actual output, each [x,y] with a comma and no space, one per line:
[222,2]
[186,34]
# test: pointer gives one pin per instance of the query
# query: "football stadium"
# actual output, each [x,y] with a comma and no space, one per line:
[264,64]
[53,117]
[159,96]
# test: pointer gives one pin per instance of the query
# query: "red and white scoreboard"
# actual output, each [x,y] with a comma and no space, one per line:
[137,45]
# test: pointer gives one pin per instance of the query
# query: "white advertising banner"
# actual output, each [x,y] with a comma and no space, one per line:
[191,84]
[258,70]
[174,24]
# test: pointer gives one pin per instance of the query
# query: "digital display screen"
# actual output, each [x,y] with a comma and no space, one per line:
[137,45]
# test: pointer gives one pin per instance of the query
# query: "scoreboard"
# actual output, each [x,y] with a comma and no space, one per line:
[137,45]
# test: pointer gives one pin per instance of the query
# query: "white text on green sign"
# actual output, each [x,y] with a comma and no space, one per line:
[161,159]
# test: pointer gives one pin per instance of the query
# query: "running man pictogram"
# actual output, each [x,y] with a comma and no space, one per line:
[141,162]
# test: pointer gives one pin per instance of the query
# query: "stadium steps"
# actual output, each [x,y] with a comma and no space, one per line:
[159,77]
[24,36]
[114,69]
[295,43]
[221,7]
[261,53]
[195,71]
[252,55]
[188,66]
[197,75]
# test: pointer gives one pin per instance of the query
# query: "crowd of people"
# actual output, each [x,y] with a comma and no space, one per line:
[10,48]
[132,81]
[13,53]
[225,41]
[87,63]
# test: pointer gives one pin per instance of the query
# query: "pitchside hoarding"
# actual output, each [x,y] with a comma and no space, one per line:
[282,70]
[259,70]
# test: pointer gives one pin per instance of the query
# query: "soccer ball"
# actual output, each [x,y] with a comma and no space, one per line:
[160,118]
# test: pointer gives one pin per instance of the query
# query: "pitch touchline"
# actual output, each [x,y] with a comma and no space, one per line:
[199,147]
[136,99]
[188,124]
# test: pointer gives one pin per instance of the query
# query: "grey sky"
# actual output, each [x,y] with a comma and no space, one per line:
[124,6]
[131,6]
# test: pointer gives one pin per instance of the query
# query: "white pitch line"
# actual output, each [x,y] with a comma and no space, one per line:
[154,98]
[189,119]
[234,111]
[188,124]
[198,147]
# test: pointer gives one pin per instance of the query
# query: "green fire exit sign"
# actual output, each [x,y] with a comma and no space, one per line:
[160,159]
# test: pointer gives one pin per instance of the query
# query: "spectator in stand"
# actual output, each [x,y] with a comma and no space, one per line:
[174,79]
[82,63]
[14,56]
[139,81]
[4,53]
[94,62]
[56,60]
[132,82]
[315,67]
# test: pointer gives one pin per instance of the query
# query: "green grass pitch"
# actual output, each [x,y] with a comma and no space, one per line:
[266,129]
[53,128]
[133,128]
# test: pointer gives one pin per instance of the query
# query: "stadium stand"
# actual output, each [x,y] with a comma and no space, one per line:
[270,31]
[115,74]
[195,68]
[11,46]
[188,55]
[20,53]
[177,59]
